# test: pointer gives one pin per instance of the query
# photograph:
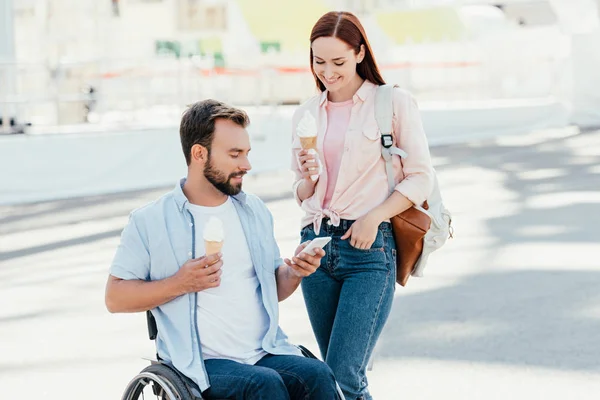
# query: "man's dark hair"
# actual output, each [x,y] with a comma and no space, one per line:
[198,123]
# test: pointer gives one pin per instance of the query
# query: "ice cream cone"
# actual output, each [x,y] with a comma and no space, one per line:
[308,142]
[307,133]
[213,236]
[212,247]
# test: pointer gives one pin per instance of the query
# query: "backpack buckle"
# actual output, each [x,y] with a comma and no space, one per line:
[387,140]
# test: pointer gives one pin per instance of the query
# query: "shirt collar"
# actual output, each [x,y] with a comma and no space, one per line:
[364,91]
[323,98]
[181,200]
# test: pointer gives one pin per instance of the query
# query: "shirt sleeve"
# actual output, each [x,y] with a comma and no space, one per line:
[132,258]
[296,147]
[410,137]
[277,260]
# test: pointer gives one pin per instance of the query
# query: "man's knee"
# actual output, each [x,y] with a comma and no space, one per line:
[319,379]
[265,383]
[321,371]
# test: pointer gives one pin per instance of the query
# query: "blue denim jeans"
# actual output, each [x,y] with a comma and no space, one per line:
[271,378]
[349,300]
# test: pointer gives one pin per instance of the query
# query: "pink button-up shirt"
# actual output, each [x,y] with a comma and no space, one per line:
[362,181]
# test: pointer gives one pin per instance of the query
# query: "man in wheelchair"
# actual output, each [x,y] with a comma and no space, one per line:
[217,315]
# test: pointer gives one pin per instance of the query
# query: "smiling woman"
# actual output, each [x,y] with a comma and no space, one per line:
[341,184]
[340,50]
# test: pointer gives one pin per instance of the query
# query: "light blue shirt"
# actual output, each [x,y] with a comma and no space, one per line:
[160,237]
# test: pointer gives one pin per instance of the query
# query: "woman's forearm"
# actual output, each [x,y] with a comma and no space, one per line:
[394,205]
[306,189]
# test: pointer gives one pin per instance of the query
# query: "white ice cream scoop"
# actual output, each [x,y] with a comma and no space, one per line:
[214,230]
[307,133]
[307,126]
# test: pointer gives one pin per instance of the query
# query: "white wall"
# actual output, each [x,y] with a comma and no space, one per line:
[43,167]
[581,19]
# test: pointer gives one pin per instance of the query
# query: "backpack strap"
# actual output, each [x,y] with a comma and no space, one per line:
[384,114]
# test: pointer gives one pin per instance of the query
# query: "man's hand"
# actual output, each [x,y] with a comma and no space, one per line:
[200,274]
[290,275]
[304,264]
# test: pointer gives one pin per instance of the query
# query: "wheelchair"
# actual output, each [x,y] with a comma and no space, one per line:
[162,381]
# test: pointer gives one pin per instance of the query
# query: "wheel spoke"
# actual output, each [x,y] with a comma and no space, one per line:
[166,386]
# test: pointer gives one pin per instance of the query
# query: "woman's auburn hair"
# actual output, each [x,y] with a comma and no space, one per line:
[346,27]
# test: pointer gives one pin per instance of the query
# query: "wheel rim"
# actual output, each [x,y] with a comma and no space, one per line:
[142,387]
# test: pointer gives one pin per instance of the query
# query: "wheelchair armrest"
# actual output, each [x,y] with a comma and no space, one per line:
[306,353]
[152,328]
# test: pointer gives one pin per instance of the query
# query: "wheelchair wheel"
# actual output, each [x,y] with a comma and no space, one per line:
[159,382]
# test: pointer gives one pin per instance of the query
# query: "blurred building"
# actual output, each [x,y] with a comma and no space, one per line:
[137,54]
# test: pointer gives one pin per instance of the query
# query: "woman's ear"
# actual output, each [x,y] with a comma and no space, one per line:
[361,54]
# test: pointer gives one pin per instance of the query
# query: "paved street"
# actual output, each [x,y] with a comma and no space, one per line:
[509,309]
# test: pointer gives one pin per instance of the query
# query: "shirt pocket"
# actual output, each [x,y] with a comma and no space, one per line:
[167,257]
[369,145]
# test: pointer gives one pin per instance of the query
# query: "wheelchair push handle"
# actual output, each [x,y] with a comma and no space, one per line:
[152,328]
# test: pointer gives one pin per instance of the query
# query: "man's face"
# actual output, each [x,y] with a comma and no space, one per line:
[228,159]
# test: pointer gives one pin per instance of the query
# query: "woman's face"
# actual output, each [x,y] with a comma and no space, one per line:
[334,62]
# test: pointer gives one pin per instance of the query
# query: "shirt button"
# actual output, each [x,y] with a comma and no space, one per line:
[190,254]
[191,224]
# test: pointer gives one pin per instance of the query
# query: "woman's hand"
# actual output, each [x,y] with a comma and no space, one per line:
[309,165]
[363,232]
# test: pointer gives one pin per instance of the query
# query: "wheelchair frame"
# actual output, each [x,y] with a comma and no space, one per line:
[170,387]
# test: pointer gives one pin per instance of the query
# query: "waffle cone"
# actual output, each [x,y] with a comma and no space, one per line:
[309,142]
[212,247]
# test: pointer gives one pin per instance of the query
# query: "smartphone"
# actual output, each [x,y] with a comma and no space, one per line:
[316,243]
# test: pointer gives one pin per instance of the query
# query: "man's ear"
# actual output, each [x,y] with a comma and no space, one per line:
[199,153]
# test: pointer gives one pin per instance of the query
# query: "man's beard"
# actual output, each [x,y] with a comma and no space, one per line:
[220,181]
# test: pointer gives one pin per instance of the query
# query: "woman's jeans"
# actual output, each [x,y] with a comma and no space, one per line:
[349,300]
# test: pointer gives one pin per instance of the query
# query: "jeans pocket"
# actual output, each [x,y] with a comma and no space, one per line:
[307,233]
[378,245]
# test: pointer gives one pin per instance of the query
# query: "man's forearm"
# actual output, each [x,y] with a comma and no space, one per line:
[128,296]
[287,282]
